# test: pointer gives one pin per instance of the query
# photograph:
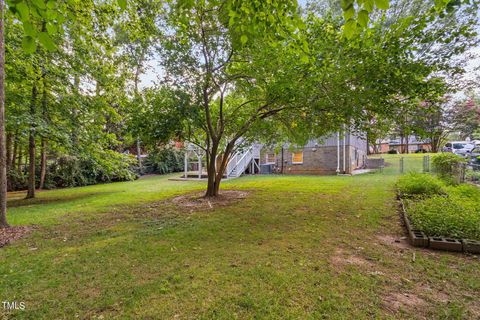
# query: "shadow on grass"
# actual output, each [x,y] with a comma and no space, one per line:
[21,202]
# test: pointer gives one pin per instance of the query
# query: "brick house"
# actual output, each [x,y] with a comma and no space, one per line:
[335,154]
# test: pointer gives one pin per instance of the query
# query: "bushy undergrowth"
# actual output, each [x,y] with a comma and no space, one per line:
[439,210]
[73,171]
[16,180]
[163,161]
[419,184]
[448,166]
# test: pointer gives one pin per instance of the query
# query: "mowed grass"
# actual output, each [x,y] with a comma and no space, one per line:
[298,247]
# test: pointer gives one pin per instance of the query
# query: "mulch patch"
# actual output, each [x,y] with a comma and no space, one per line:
[10,234]
[199,201]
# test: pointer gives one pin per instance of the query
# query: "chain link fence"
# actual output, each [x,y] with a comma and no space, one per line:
[472,173]
[420,163]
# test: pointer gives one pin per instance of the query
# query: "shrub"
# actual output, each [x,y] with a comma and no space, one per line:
[87,169]
[392,151]
[164,160]
[448,166]
[420,184]
[16,180]
[449,217]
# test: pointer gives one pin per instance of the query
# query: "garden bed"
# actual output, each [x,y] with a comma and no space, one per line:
[418,238]
[440,216]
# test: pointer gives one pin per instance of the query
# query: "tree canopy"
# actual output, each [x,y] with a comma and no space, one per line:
[229,72]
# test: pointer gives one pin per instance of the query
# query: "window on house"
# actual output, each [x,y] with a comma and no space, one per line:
[270,158]
[297,157]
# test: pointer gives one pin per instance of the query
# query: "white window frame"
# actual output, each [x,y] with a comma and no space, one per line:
[293,157]
[274,158]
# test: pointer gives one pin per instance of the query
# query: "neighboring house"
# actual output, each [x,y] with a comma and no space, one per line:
[335,154]
[414,144]
[380,146]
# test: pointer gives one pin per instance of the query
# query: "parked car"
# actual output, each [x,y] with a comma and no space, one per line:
[462,148]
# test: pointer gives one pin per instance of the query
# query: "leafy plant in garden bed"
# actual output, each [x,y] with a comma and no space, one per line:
[440,210]
[419,184]
[446,216]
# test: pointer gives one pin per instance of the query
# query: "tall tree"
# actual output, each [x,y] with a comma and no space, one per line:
[3,160]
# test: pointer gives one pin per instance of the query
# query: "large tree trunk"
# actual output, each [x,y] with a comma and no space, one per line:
[43,163]
[31,145]
[139,156]
[13,161]
[407,145]
[137,98]
[73,134]
[211,170]
[215,173]
[19,162]
[9,150]
[3,160]
[43,154]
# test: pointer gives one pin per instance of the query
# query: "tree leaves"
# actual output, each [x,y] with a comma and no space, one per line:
[51,28]
[28,44]
[23,11]
[50,13]
[244,39]
[39,4]
[122,4]
[382,4]
[363,18]
[357,14]
[46,41]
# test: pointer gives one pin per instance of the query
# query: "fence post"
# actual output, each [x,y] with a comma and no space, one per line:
[401,164]
[426,164]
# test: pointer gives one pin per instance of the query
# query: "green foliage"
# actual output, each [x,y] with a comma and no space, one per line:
[357,14]
[164,160]
[455,216]
[450,211]
[466,191]
[472,175]
[50,13]
[73,171]
[16,180]
[448,166]
[418,184]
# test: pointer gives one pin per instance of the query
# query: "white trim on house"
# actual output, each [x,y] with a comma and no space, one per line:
[274,158]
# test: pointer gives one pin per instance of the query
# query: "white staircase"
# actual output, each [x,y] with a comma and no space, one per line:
[241,160]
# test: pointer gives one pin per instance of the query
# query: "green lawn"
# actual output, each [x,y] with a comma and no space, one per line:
[298,247]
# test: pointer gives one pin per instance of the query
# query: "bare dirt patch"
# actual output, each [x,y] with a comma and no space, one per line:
[197,201]
[399,242]
[397,301]
[341,258]
[10,234]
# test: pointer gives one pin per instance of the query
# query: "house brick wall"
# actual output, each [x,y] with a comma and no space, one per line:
[320,160]
[320,156]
